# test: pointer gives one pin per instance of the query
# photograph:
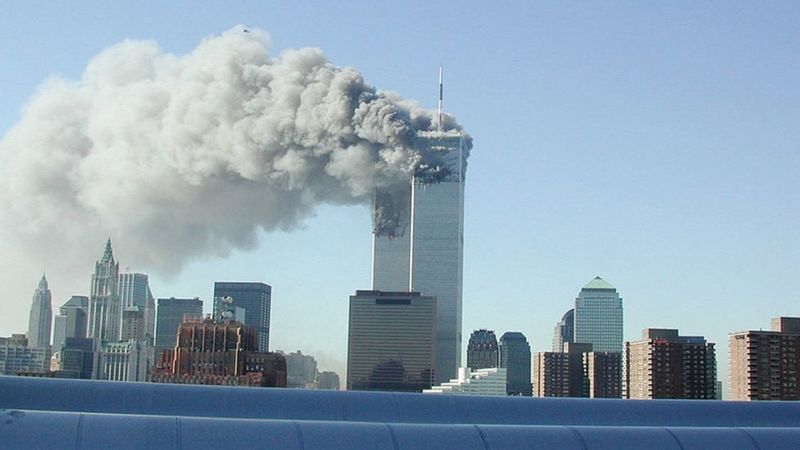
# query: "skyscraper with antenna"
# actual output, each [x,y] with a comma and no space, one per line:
[425,253]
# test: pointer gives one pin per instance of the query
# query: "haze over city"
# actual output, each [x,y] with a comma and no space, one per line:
[655,146]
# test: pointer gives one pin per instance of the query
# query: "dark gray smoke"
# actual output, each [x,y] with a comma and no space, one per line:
[182,155]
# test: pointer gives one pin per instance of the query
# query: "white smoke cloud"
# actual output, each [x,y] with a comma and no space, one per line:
[183,155]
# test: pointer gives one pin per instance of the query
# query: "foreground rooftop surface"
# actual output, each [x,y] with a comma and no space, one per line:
[88,414]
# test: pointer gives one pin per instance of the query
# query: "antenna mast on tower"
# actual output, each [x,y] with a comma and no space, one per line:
[441,88]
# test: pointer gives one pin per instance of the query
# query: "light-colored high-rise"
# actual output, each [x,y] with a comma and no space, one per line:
[105,313]
[41,317]
[418,240]
[134,290]
[598,317]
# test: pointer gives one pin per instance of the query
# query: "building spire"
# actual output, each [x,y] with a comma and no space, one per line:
[43,283]
[108,253]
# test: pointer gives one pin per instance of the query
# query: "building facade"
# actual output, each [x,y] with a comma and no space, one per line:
[131,360]
[41,316]
[765,365]
[598,317]
[564,332]
[418,238]
[226,353]
[482,350]
[80,358]
[328,380]
[105,312]
[171,313]
[391,341]
[17,356]
[666,365]
[489,381]
[134,291]
[255,298]
[70,322]
[515,357]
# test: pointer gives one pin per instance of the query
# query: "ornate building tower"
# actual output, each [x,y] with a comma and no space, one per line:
[105,313]
[41,316]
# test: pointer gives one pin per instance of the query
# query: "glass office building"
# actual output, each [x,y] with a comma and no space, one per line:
[598,317]
[418,239]
[255,298]
[171,313]
[515,356]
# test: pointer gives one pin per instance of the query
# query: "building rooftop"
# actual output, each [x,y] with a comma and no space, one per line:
[598,283]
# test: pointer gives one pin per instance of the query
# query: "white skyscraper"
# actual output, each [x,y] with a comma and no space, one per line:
[41,316]
[418,240]
[598,317]
[105,313]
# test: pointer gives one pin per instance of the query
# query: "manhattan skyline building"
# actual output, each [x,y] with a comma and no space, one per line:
[418,239]
[598,317]
[564,331]
[134,290]
[105,312]
[391,343]
[765,365]
[171,313]
[70,321]
[41,316]
[482,351]
[255,298]
[515,357]
[666,365]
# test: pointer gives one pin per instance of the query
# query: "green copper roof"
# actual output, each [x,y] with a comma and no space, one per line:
[598,283]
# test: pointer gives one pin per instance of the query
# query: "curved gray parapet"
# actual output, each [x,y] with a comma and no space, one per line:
[46,430]
[383,407]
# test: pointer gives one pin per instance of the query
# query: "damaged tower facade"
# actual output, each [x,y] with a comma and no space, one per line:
[418,238]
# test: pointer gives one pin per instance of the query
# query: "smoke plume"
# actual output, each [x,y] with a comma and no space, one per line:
[184,155]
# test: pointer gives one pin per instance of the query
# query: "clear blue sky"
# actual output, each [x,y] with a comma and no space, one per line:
[654,144]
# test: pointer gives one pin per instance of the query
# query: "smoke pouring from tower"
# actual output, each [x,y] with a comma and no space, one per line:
[183,155]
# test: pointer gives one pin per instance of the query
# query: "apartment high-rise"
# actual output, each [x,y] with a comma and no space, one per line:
[70,322]
[134,290]
[105,312]
[578,372]
[565,331]
[41,316]
[482,351]
[171,313]
[391,342]
[418,239]
[255,298]
[515,356]
[765,365]
[666,365]
[598,317]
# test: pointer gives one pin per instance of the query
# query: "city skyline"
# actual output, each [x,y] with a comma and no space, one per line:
[665,164]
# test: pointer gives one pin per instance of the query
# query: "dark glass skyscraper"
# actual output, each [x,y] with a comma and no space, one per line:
[255,298]
[70,321]
[482,350]
[171,312]
[564,332]
[515,356]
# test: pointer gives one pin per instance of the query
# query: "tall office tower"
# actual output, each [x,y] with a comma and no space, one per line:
[482,350]
[418,239]
[666,365]
[564,331]
[171,313]
[222,353]
[255,298]
[125,361]
[598,317]
[515,356]
[134,290]
[80,358]
[765,365]
[391,341]
[41,316]
[70,322]
[328,380]
[105,312]
[134,324]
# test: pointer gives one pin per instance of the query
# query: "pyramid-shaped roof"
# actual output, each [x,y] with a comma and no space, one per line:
[598,283]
